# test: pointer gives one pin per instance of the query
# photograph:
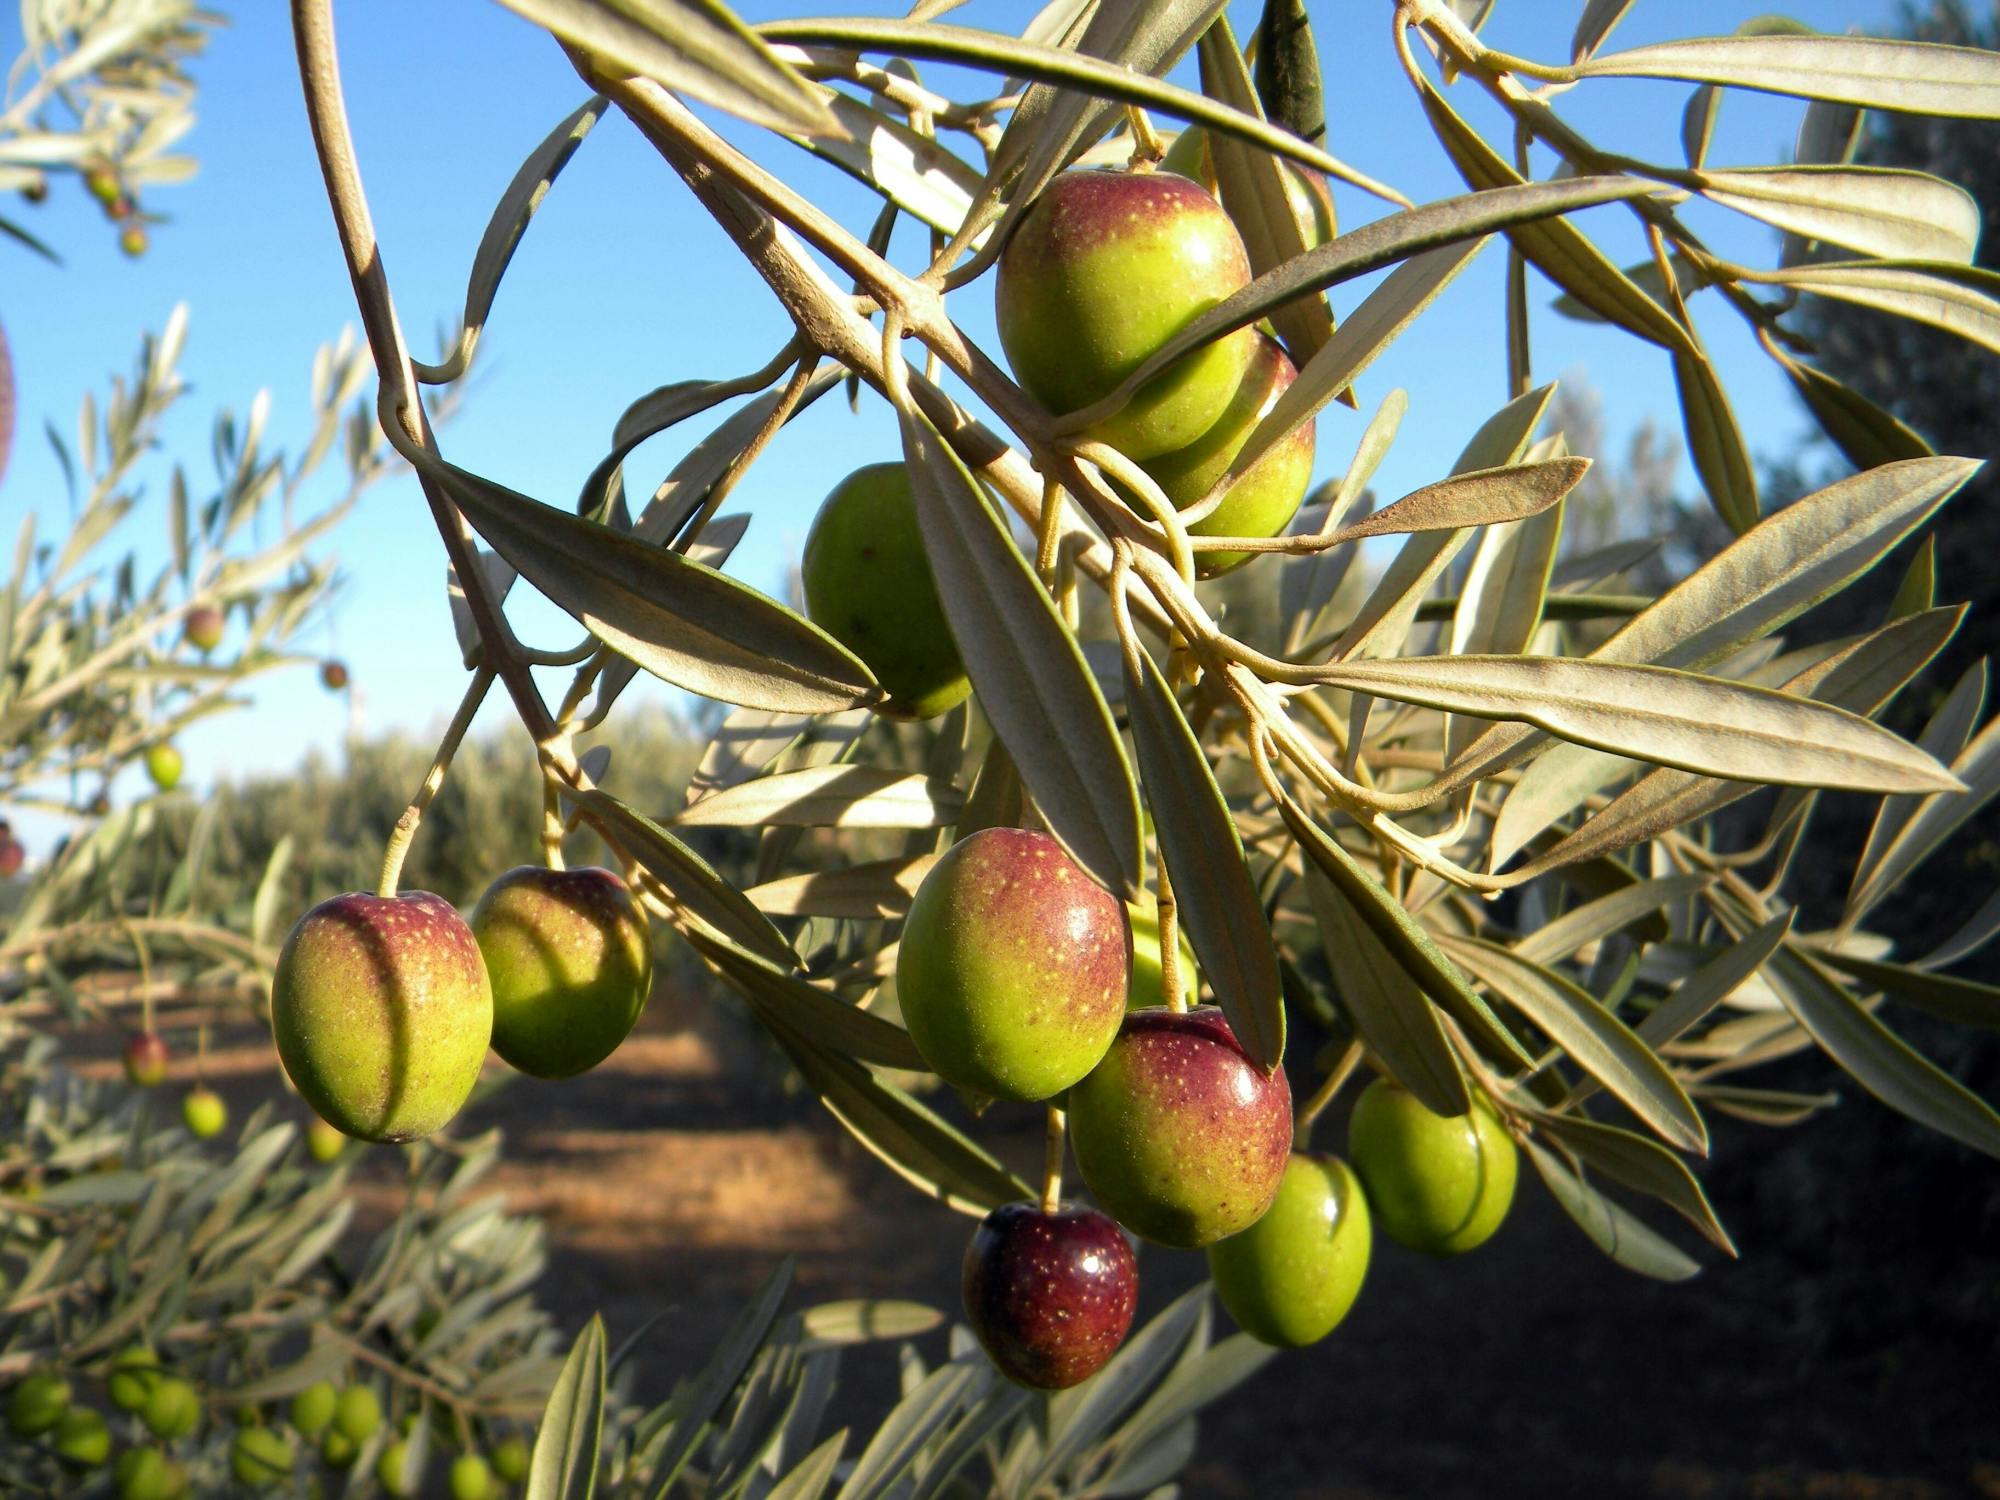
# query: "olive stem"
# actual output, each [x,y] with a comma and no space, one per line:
[1170,941]
[1146,146]
[406,825]
[1324,1095]
[1052,1160]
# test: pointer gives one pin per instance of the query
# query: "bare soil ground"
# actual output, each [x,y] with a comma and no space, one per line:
[674,1175]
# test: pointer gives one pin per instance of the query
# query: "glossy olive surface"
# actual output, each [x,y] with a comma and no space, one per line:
[1011,972]
[1050,1295]
[1179,1135]
[1291,1277]
[1102,270]
[1440,1183]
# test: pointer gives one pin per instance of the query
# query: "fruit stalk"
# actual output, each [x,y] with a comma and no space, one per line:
[1052,1161]
[1170,942]
[1324,1095]
[406,825]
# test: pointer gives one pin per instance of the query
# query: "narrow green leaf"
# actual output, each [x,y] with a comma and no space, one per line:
[878,888]
[1204,854]
[1594,25]
[808,1479]
[1865,434]
[1715,981]
[696,47]
[802,1007]
[1288,73]
[1026,667]
[913,1142]
[719,1376]
[1557,248]
[702,895]
[1920,77]
[1966,1002]
[1596,920]
[1597,1041]
[838,796]
[507,226]
[1944,737]
[912,1423]
[1484,497]
[1255,191]
[1400,933]
[1390,1013]
[1978,766]
[1703,724]
[1078,1416]
[1959,299]
[1627,1240]
[1873,1055]
[569,1438]
[866,1320]
[1887,211]
[684,623]
[1917,593]
[1715,441]
[1643,1165]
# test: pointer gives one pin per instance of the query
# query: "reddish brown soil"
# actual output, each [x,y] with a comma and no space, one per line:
[674,1175]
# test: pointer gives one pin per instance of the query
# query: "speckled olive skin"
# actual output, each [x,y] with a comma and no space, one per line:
[1439,1183]
[1181,1137]
[1144,988]
[382,1013]
[1049,1295]
[1305,189]
[1292,1276]
[163,765]
[146,1059]
[1263,501]
[868,584]
[567,956]
[1012,967]
[203,627]
[1103,269]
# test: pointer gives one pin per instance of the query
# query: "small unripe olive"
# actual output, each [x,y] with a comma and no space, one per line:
[163,765]
[204,1113]
[141,1474]
[135,1373]
[313,1408]
[510,1459]
[470,1478]
[260,1457]
[394,1473]
[37,1403]
[203,627]
[337,1450]
[132,240]
[333,675]
[173,1410]
[868,584]
[145,1060]
[357,1413]
[323,1142]
[83,1440]
[1292,1276]
[1441,1183]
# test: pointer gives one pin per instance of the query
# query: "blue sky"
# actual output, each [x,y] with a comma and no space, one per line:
[622,285]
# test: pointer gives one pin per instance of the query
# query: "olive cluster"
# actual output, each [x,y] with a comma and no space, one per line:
[162,1414]
[1018,976]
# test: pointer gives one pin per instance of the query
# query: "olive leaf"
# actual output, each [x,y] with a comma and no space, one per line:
[1865,434]
[684,623]
[1627,1240]
[1390,1013]
[1026,667]
[1203,852]
[697,47]
[1594,25]
[1703,724]
[1642,1165]
[507,226]
[1965,1002]
[838,796]
[1959,299]
[1288,72]
[1887,211]
[1595,1040]
[878,888]
[1920,77]
[568,1441]
[780,996]
[1721,457]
